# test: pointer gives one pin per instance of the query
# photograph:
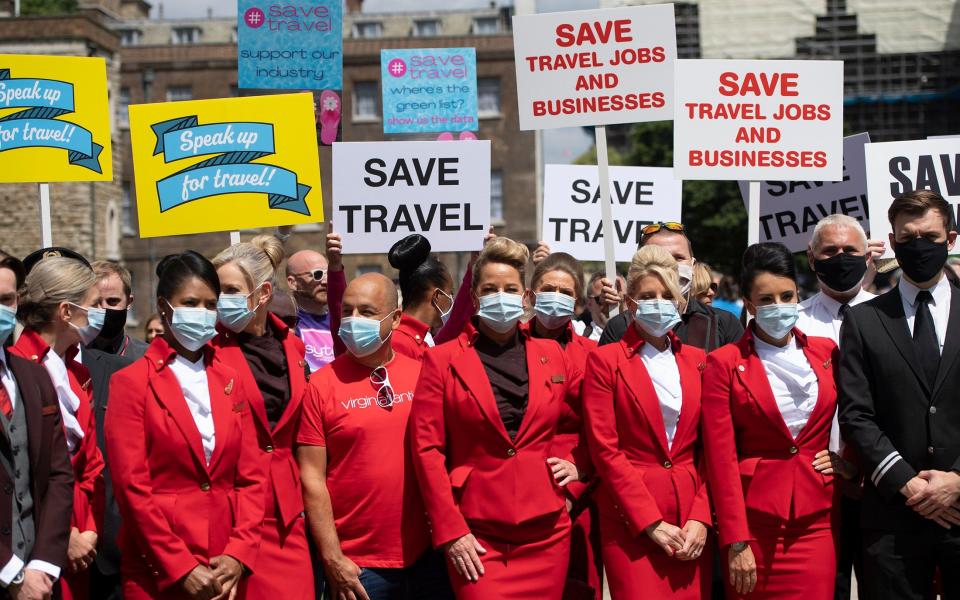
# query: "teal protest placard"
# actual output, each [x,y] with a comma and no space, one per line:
[429,90]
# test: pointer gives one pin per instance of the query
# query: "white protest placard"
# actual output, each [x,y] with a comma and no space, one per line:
[595,67]
[752,120]
[571,207]
[384,191]
[894,168]
[789,210]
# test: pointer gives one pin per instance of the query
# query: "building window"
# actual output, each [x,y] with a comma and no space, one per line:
[365,101]
[130,37]
[364,269]
[185,35]
[370,29]
[486,25]
[488,96]
[234,36]
[126,210]
[112,232]
[179,93]
[426,28]
[123,101]
[496,197]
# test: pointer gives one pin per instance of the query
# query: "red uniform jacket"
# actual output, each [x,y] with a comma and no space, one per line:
[177,511]
[468,468]
[642,481]
[87,461]
[285,501]
[752,460]
[410,338]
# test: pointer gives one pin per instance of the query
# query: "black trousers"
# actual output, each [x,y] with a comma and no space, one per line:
[901,565]
[850,556]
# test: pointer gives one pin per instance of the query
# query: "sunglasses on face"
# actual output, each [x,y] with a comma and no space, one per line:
[653,228]
[381,380]
[315,275]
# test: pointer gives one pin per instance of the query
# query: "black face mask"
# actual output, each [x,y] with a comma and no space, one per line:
[841,272]
[920,258]
[113,324]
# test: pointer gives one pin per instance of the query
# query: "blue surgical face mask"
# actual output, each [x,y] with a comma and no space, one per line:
[361,335]
[554,310]
[657,317]
[193,327]
[776,320]
[95,319]
[501,311]
[233,311]
[8,320]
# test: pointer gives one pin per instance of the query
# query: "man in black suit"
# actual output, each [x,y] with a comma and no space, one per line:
[36,478]
[899,409]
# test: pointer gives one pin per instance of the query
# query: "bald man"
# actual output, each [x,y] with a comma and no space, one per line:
[362,500]
[307,279]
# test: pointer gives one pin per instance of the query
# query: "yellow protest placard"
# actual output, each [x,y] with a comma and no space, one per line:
[54,119]
[228,164]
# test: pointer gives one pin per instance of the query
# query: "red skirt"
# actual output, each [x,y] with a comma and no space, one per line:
[796,560]
[514,569]
[638,568]
[283,569]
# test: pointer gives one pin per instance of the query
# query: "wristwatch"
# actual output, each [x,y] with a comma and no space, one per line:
[18,578]
[739,546]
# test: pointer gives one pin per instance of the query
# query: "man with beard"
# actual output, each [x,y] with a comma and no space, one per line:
[307,279]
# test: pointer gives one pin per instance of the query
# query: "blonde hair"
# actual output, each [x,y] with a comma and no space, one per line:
[702,279]
[655,260]
[501,250]
[257,259]
[52,281]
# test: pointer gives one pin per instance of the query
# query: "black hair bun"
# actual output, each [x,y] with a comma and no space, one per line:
[165,262]
[409,253]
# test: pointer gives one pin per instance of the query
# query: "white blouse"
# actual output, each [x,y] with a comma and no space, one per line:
[665,375]
[69,402]
[192,377]
[793,381]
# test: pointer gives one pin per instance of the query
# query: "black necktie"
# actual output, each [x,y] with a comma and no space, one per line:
[925,337]
[843,311]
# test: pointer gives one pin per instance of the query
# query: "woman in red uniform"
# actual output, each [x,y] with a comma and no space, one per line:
[555,287]
[270,359]
[488,410]
[188,476]
[58,310]
[768,406]
[643,430]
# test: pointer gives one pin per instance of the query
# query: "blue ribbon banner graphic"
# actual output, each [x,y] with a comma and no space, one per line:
[232,171]
[37,126]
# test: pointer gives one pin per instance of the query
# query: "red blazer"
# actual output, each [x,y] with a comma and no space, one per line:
[87,461]
[284,497]
[177,511]
[410,338]
[752,460]
[468,468]
[641,480]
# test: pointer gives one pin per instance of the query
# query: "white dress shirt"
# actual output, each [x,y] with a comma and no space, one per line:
[792,380]
[16,564]
[820,314]
[588,331]
[665,375]
[69,402]
[192,377]
[939,308]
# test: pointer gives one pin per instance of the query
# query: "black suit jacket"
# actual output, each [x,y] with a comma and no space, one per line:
[50,471]
[898,424]
[102,365]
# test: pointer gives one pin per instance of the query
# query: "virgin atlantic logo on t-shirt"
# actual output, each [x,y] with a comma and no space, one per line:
[367,402]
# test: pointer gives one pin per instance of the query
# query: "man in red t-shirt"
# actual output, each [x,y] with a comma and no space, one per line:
[362,499]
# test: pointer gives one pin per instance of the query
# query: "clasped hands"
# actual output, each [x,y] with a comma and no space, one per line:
[683,544]
[934,495]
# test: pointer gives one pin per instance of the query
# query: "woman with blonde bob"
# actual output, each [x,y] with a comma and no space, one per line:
[643,431]
[269,357]
[488,414]
[59,310]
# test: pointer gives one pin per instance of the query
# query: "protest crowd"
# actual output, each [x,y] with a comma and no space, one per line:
[582,418]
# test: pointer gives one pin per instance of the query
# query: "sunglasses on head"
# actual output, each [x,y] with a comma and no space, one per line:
[653,228]
[315,275]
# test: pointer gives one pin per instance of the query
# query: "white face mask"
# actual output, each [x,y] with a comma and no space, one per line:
[686,277]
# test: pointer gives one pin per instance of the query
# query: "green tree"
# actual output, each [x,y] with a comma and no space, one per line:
[713,211]
[38,8]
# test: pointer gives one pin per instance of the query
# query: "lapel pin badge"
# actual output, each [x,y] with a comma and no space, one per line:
[701,366]
[826,365]
[229,389]
[543,360]
[741,368]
